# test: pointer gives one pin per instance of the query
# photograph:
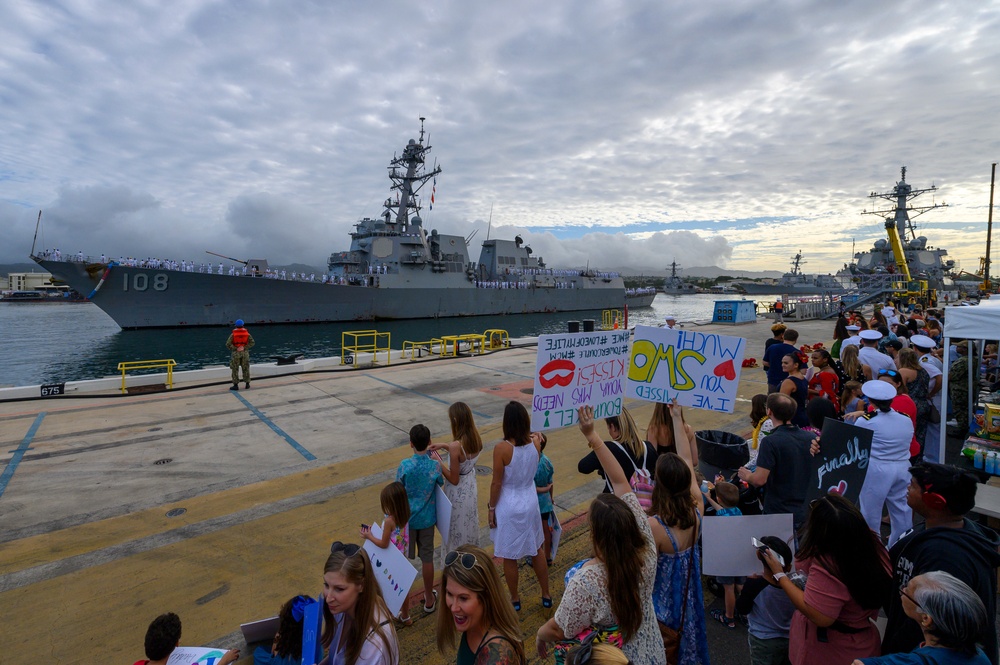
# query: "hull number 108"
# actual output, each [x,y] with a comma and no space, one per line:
[140,281]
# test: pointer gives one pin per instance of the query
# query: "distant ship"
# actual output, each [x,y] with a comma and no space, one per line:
[924,262]
[675,286]
[394,269]
[795,282]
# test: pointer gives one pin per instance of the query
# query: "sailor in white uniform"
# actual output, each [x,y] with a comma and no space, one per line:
[888,468]
[868,353]
[853,339]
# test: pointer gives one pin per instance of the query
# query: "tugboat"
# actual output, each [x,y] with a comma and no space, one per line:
[675,286]
[925,263]
[394,269]
[795,282]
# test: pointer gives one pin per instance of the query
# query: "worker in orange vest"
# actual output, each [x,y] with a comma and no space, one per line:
[240,342]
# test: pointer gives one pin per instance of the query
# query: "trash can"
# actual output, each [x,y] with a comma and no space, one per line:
[720,452]
[588,325]
[574,326]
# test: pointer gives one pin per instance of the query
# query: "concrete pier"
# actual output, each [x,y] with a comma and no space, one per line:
[220,505]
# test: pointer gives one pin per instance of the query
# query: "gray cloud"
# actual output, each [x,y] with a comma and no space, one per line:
[266,127]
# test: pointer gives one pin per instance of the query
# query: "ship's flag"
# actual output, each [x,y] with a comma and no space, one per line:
[434,187]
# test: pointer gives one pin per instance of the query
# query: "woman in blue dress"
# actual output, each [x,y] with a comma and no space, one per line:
[676,521]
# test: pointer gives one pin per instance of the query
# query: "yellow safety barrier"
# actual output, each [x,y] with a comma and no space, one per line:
[612,319]
[496,338]
[414,348]
[148,364]
[365,341]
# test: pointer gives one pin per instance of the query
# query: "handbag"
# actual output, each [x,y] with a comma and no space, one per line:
[611,635]
[934,416]
[640,481]
[672,637]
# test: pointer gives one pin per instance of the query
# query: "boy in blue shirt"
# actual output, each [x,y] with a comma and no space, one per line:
[728,496]
[421,475]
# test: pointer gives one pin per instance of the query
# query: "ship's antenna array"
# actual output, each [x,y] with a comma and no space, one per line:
[902,212]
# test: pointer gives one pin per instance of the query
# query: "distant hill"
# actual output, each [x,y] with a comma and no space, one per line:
[710,272]
[8,268]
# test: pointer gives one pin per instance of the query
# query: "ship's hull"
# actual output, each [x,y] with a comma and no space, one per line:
[154,298]
[781,290]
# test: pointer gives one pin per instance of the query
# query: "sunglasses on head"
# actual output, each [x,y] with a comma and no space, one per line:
[467,559]
[888,372]
[349,549]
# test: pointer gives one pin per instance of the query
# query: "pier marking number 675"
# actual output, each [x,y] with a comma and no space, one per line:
[140,281]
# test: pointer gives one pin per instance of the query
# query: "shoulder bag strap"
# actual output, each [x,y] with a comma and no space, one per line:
[687,582]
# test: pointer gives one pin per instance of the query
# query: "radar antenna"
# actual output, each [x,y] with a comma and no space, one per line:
[900,214]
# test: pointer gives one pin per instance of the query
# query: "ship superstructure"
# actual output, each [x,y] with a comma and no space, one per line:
[394,269]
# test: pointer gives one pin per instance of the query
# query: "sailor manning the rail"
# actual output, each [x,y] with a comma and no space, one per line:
[240,342]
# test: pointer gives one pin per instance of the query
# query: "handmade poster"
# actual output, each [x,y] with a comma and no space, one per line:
[195,656]
[443,504]
[842,462]
[556,528]
[697,369]
[577,369]
[312,631]
[726,542]
[395,574]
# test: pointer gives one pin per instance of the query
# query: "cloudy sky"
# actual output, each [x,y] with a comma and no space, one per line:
[612,132]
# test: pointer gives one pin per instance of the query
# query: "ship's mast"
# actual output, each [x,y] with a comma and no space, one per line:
[899,215]
[796,262]
[408,176]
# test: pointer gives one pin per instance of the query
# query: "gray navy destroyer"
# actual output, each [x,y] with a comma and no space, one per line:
[394,269]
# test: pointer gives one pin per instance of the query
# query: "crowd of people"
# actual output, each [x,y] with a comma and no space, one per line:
[639,598]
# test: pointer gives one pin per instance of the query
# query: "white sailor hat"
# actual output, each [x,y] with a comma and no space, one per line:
[854,328]
[923,341]
[880,390]
[870,335]
[670,317]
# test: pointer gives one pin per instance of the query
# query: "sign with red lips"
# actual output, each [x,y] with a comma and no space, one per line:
[574,369]
[558,372]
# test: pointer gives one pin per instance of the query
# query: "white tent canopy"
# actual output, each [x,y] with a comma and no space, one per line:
[974,323]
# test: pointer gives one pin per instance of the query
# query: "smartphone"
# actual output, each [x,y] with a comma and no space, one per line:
[761,547]
[366,527]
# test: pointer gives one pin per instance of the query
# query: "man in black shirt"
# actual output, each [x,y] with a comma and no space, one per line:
[946,541]
[783,463]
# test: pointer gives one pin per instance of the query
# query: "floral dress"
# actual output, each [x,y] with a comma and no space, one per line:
[672,572]
[464,497]
[586,603]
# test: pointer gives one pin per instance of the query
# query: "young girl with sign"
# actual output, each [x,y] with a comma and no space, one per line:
[286,649]
[395,528]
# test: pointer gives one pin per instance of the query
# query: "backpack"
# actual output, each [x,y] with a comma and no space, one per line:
[640,481]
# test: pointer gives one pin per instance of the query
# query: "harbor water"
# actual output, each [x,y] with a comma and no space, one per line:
[54,343]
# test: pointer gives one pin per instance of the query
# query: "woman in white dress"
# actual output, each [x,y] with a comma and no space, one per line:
[460,471]
[515,523]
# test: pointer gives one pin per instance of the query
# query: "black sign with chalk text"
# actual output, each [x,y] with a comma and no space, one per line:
[52,389]
[842,462]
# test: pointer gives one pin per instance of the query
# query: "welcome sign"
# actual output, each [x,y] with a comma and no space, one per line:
[842,462]
[697,369]
[574,369]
